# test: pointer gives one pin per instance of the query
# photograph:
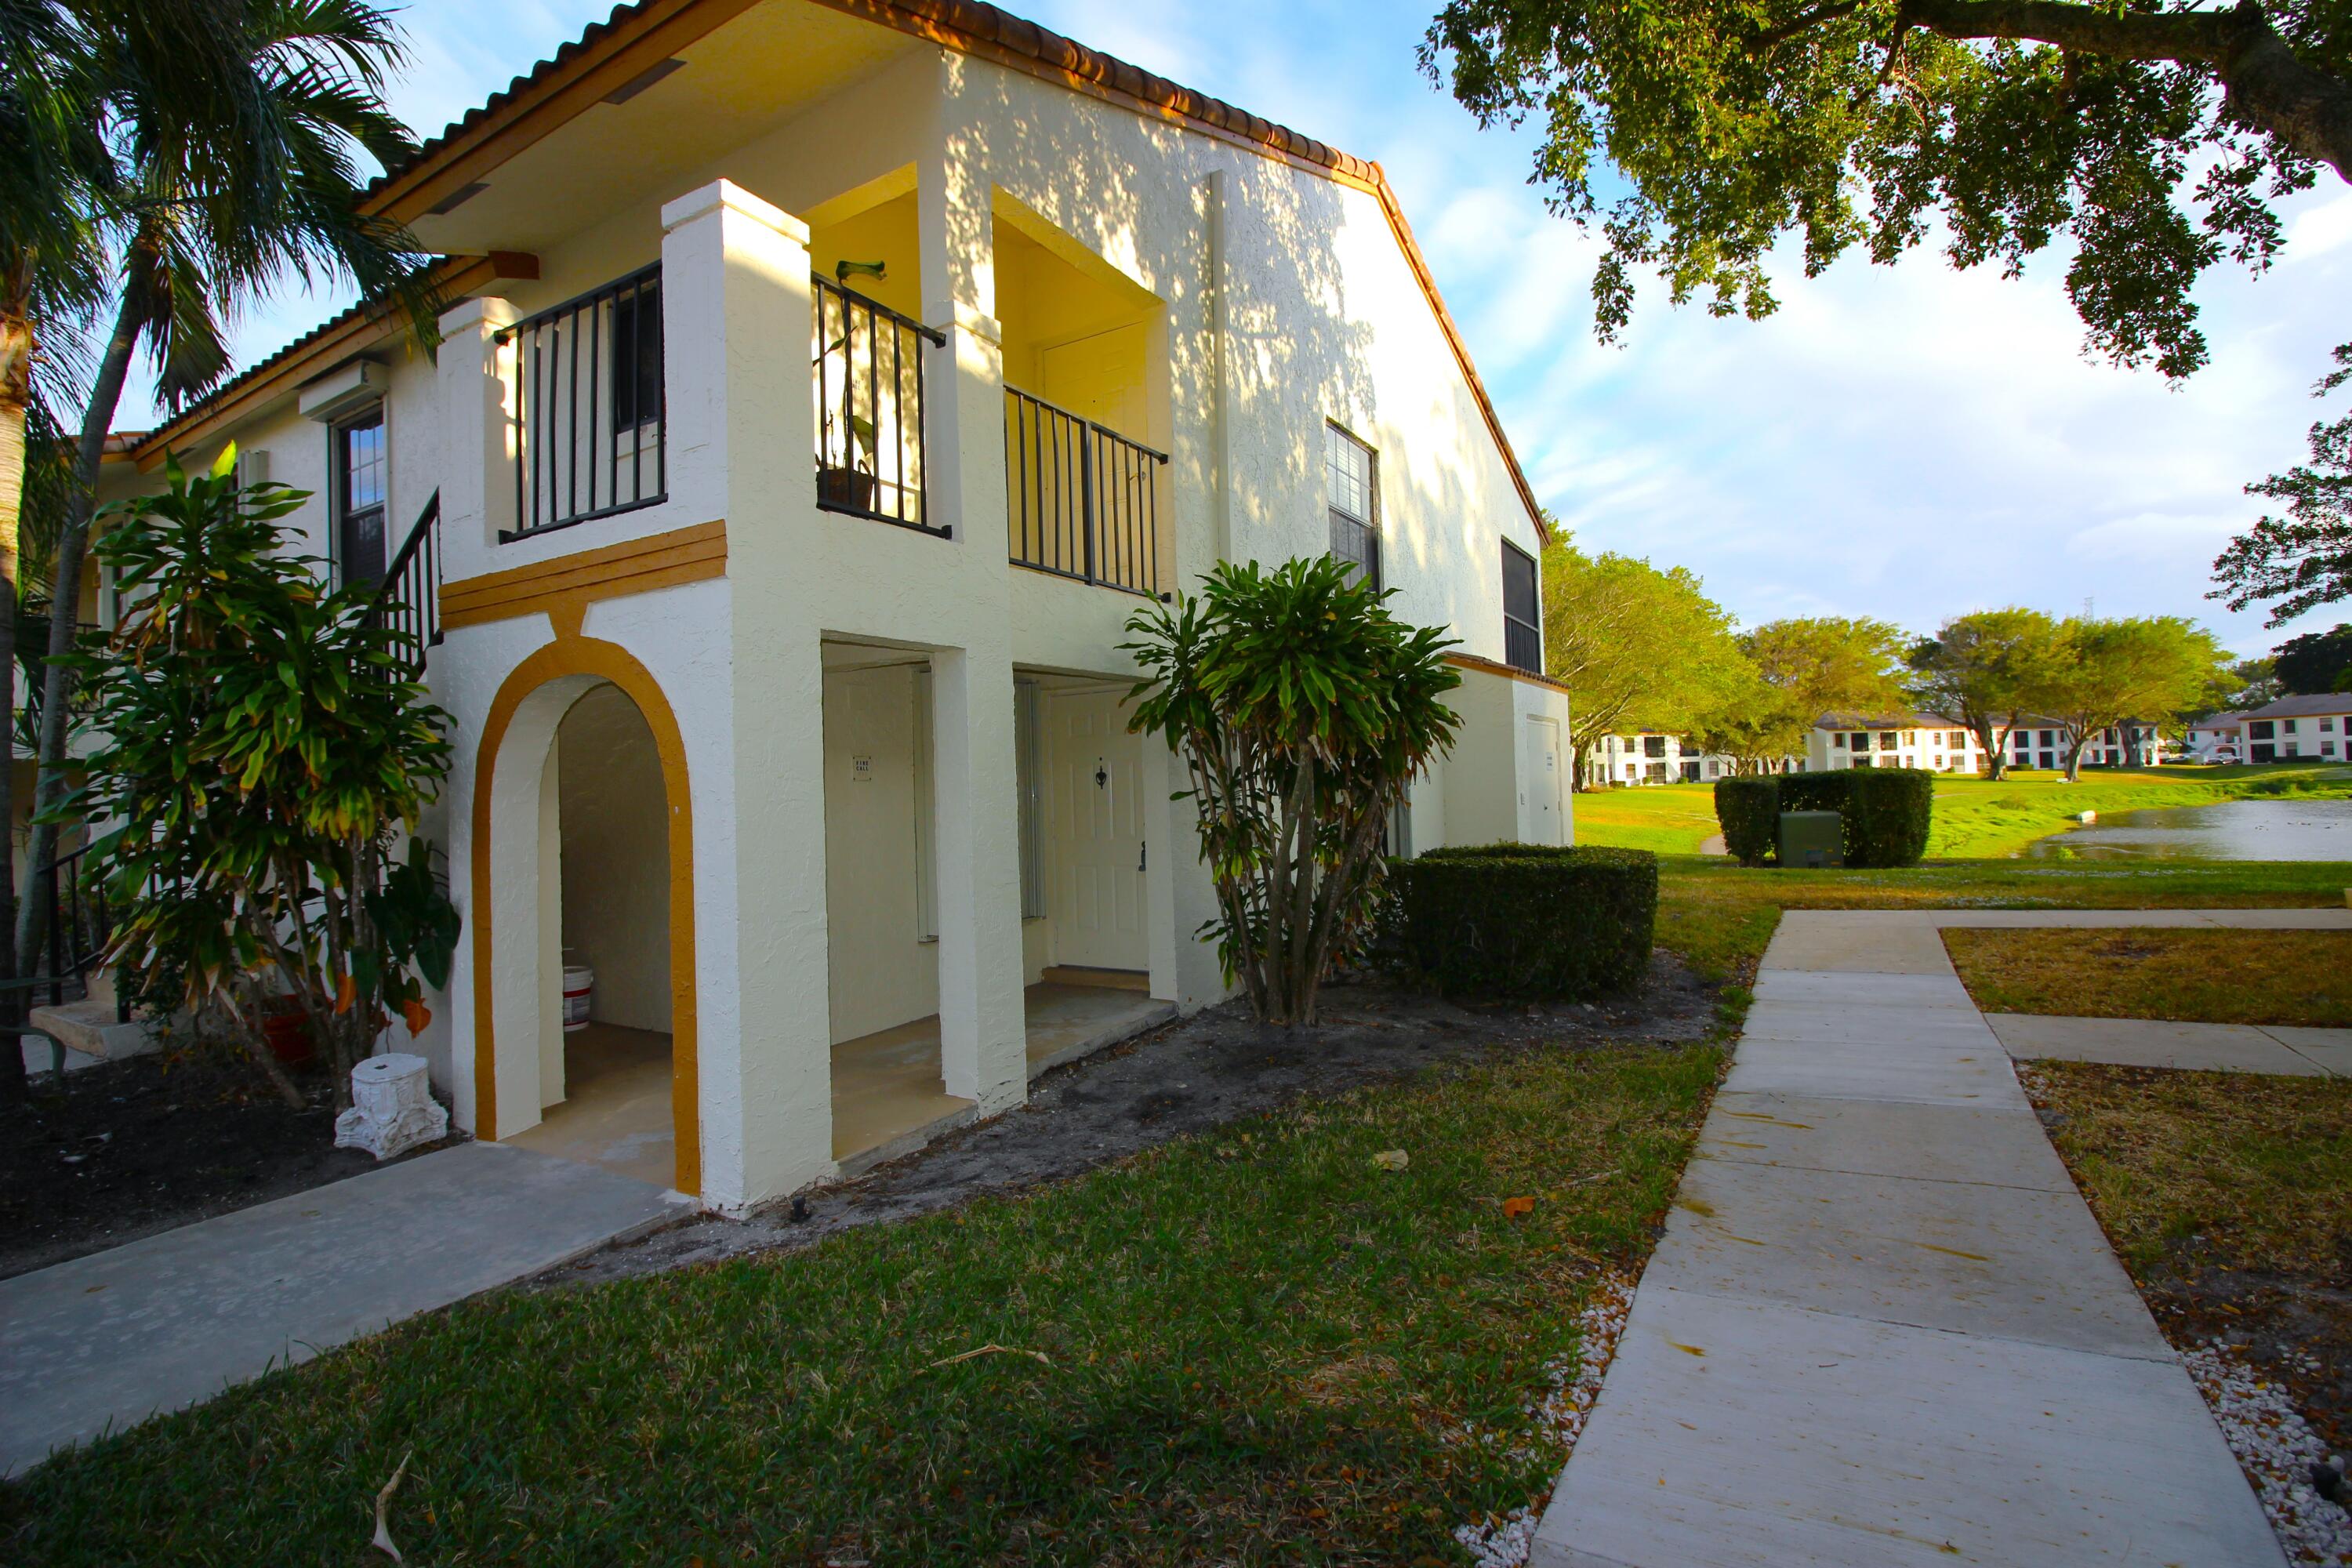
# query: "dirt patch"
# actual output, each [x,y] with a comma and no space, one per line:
[1217,1066]
[130,1148]
[2297,1333]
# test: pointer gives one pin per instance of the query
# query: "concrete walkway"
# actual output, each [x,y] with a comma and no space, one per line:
[106,1341]
[2278,1048]
[1881,1326]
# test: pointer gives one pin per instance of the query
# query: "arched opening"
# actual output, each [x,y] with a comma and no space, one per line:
[583,840]
[605,1070]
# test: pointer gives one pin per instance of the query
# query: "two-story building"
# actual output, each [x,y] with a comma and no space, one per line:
[824,387]
[1928,740]
[2316,728]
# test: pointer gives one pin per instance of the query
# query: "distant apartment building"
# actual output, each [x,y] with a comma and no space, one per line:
[2042,742]
[1653,756]
[1926,741]
[2297,728]
[2217,738]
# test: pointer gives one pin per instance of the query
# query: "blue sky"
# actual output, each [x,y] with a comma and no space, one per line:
[1903,442]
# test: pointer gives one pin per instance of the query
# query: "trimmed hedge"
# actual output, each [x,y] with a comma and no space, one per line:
[1884,812]
[1749,811]
[1526,922]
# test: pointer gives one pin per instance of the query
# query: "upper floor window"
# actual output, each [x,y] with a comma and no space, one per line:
[1522,616]
[1351,482]
[2259,729]
[1886,740]
[362,484]
[1957,740]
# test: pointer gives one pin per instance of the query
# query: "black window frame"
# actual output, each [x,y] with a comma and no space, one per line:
[339,461]
[1523,634]
[1353,538]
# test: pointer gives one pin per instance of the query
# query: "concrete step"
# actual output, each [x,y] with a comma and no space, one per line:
[91,1034]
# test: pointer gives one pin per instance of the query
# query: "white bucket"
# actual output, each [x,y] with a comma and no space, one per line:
[578,985]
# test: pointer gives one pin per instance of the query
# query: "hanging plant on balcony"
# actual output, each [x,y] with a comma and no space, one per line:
[262,754]
[1302,710]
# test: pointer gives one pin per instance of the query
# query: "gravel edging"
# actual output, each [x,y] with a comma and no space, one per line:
[2277,1449]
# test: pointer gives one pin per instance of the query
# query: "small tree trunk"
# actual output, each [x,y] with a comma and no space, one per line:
[15,389]
[65,608]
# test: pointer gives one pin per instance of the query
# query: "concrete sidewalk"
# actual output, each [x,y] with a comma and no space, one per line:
[2277,1048]
[1882,1327]
[104,1342]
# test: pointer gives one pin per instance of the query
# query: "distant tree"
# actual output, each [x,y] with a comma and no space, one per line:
[2304,560]
[1987,670]
[1806,667]
[2253,682]
[2135,672]
[1635,646]
[2316,662]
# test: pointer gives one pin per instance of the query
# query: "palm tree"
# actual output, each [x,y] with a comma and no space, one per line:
[169,162]
[55,181]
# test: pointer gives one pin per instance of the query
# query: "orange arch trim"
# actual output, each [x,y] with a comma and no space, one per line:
[576,655]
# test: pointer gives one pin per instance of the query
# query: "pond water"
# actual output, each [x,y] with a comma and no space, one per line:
[2227,831]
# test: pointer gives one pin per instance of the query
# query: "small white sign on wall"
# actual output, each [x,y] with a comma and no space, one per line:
[861,770]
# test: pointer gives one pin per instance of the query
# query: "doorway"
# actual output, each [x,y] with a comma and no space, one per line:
[1544,780]
[607,1025]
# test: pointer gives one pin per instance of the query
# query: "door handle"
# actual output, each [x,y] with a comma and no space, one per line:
[1142,854]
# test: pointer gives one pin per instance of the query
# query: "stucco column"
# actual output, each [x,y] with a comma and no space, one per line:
[735,284]
[476,434]
[983,1037]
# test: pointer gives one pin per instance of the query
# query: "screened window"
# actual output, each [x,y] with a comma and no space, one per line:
[1349,478]
[1522,620]
[362,484]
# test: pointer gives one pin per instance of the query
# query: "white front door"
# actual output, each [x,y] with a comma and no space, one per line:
[1543,781]
[1094,856]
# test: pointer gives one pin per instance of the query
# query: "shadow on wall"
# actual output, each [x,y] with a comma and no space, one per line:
[615,838]
[1280,341]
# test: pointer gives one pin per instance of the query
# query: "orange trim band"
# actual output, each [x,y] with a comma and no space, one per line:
[570,582]
[586,656]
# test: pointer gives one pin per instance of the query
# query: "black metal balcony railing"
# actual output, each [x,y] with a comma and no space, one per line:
[866,365]
[408,600]
[591,422]
[1082,500]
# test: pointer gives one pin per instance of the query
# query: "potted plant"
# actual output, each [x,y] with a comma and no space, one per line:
[846,484]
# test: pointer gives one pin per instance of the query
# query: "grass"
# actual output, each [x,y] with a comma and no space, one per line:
[2193,1170]
[2191,976]
[1975,819]
[1255,1344]
[1718,915]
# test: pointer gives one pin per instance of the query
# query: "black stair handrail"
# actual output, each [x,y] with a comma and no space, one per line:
[408,600]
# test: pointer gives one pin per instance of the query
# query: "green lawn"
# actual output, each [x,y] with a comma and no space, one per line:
[1718,915]
[2293,977]
[1256,1348]
[1975,818]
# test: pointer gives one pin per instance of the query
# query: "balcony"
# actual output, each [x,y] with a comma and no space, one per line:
[867,373]
[590,419]
[1082,501]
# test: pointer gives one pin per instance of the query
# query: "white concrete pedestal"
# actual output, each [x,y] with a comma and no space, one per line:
[392,1109]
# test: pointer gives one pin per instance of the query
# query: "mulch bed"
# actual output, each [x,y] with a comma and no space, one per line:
[128,1149]
[1217,1066]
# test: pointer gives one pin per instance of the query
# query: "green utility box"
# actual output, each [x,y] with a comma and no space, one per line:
[1811,838]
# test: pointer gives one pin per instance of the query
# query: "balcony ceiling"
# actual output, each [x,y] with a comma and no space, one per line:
[738,82]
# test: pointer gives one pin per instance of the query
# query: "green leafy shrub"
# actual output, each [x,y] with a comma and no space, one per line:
[1301,708]
[1884,812]
[1525,922]
[1749,811]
